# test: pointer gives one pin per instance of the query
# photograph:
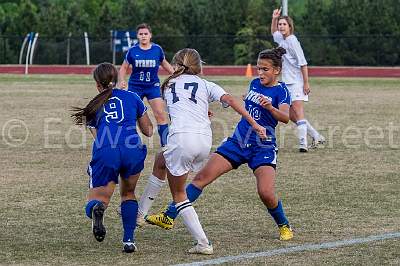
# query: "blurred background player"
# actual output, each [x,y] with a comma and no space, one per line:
[117,150]
[268,103]
[145,58]
[190,136]
[295,75]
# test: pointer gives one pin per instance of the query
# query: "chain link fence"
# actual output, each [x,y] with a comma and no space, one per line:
[367,50]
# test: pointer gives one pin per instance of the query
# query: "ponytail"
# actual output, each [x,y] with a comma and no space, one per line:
[106,76]
[179,71]
[88,113]
[185,61]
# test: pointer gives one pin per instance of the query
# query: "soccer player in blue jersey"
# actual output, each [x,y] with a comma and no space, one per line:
[268,102]
[117,150]
[146,57]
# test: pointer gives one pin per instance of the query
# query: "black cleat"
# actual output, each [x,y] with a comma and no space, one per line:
[99,231]
[129,247]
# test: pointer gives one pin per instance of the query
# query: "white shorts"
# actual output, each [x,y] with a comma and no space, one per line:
[186,152]
[296,92]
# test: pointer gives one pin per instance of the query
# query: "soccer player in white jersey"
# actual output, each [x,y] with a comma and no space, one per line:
[190,137]
[295,76]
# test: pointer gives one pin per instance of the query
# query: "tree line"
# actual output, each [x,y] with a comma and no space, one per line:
[332,32]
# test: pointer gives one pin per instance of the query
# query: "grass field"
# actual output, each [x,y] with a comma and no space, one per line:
[348,189]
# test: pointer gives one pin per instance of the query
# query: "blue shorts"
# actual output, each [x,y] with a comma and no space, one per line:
[254,155]
[110,162]
[150,93]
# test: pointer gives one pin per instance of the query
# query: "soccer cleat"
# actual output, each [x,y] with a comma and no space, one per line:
[161,220]
[129,247]
[140,221]
[303,148]
[201,249]
[317,142]
[285,232]
[99,231]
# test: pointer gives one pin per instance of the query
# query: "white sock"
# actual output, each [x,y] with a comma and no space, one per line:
[302,132]
[191,220]
[151,191]
[311,131]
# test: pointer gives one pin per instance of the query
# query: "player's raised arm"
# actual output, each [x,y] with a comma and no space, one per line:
[274,23]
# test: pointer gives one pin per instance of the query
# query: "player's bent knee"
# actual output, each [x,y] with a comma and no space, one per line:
[267,196]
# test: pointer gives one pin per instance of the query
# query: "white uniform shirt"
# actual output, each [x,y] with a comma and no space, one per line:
[292,60]
[187,99]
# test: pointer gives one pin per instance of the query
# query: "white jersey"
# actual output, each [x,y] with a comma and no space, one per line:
[292,60]
[187,99]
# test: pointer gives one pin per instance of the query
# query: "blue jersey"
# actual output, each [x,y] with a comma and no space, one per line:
[145,65]
[278,95]
[116,121]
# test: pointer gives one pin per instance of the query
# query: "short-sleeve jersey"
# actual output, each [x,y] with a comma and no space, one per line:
[187,98]
[115,123]
[292,60]
[145,65]
[278,95]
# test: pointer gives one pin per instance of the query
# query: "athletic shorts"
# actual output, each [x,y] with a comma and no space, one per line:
[254,155]
[186,152]
[296,92]
[110,162]
[148,92]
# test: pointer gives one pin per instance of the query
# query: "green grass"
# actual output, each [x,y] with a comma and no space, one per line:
[348,189]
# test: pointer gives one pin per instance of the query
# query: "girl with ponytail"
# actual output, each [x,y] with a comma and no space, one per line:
[112,116]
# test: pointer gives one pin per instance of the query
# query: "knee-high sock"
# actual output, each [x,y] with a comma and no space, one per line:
[129,210]
[279,215]
[302,132]
[163,133]
[192,193]
[312,131]
[89,207]
[191,220]
[151,191]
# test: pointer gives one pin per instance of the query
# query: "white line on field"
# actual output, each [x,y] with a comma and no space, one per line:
[306,247]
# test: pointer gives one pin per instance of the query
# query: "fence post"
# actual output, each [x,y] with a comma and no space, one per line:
[68,46]
[87,48]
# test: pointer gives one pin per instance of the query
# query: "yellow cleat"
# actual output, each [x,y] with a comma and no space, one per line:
[285,232]
[161,220]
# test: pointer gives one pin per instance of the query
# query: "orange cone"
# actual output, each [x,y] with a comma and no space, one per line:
[249,71]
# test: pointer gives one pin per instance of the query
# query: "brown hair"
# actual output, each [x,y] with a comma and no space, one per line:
[143,26]
[185,61]
[289,21]
[275,55]
[106,76]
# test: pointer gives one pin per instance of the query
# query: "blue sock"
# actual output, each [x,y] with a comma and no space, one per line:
[279,215]
[89,206]
[192,193]
[129,209]
[163,133]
